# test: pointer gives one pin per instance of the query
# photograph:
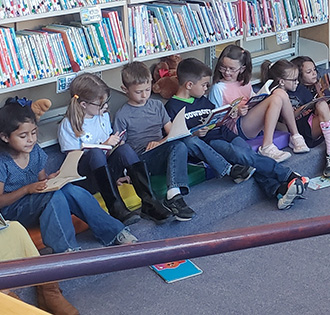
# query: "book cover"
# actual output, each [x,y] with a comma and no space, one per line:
[216,116]
[319,182]
[68,172]
[304,109]
[176,270]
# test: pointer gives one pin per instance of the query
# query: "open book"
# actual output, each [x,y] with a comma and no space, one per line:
[261,95]
[216,116]
[106,147]
[179,128]
[68,172]
[302,110]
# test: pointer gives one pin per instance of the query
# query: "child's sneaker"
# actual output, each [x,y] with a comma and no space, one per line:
[125,237]
[297,144]
[274,153]
[240,173]
[326,171]
[179,208]
[296,189]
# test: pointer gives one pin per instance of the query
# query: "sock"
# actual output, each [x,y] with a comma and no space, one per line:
[282,189]
[325,127]
[229,170]
[172,192]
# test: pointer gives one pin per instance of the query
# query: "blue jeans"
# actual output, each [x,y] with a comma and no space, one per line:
[122,157]
[269,174]
[199,149]
[171,159]
[53,212]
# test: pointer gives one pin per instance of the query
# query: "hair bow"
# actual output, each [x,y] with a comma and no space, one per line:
[22,101]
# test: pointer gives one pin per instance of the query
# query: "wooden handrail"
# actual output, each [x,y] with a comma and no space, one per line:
[56,267]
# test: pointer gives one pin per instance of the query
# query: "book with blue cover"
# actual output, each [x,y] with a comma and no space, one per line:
[176,270]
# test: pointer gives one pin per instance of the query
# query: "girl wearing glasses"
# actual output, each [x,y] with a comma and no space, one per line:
[88,122]
[231,80]
[313,124]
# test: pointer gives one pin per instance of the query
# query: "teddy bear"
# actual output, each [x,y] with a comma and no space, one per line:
[164,76]
[39,107]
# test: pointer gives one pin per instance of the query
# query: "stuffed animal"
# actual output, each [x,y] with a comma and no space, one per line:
[39,107]
[164,75]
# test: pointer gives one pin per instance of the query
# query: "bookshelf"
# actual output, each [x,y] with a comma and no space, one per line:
[221,31]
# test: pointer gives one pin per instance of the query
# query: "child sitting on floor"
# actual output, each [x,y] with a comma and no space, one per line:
[231,80]
[23,179]
[276,180]
[144,119]
[87,121]
[313,124]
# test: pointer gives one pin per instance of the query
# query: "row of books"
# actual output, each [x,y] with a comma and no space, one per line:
[172,25]
[56,49]
[11,9]
[264,16]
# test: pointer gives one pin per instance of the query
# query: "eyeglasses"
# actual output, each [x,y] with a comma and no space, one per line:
[229,70]
[101,106]
[292,80]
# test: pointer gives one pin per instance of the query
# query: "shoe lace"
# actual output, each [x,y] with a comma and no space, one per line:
[180,203]
[298,141]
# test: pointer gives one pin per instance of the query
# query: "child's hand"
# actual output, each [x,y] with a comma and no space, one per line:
[113,139]
[201,132]
[53,174]
[122,180]
[242,109]
[37,187]
[152,145]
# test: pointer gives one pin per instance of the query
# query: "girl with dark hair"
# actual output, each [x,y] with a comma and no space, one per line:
[313,124]
[23,179]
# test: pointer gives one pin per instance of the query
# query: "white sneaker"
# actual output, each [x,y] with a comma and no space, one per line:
[296,189]
[125,237]
[298,145]
[274,153]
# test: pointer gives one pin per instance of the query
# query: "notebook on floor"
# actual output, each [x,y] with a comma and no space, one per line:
[176,270]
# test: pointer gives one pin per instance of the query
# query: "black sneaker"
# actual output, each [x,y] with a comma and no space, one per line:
[179,208]
[156,212]
[241,173]
[326,171]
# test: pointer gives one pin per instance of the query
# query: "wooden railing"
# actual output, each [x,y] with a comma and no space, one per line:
[56,267]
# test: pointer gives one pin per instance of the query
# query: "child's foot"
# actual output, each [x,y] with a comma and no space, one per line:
[241,173]
[125,237]
[295,189]
[179,208]
[326,171]
[274,153]
[156,212]
[298,145]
